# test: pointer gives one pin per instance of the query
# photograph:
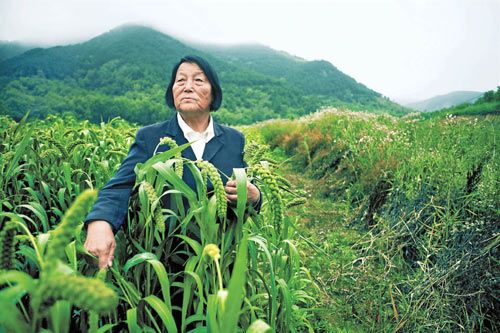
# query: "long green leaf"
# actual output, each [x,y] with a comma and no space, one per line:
[132,321]
[163,311]
[60,316]
[40,212]
[193,243]
[137,259]
[273,296]
[163,278]
[20,148]
[141,168]
[241,188]
[166,170]
[236,290]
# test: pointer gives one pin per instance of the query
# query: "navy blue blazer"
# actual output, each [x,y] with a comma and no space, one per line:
[224,151]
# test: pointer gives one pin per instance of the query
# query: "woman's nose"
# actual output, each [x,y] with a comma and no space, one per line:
[188,85]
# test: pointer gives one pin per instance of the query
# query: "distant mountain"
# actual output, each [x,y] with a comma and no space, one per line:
[445,101]
[487,104]
[12,49]
[124,73]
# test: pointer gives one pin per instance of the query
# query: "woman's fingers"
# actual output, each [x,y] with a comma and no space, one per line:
[253,193]
[101,242]
[231,191]
[104,252]
[103,260]
[111,254]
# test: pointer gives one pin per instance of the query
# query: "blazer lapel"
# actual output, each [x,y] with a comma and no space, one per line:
[214,145]
[188,152]
[174,131]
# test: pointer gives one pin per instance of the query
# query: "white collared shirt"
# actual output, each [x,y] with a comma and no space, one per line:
[198,139]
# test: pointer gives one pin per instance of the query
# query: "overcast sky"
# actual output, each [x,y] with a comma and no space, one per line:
[404,49]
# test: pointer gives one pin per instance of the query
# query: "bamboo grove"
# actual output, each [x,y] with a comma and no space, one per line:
[241,270]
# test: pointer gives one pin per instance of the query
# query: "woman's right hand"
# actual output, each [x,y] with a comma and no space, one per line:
[101,242]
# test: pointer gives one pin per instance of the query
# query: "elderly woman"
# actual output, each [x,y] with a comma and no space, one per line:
[194,91]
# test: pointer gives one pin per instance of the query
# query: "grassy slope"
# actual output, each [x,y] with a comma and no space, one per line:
[403,213]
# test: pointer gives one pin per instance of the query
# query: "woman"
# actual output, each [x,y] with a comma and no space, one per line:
[194,91]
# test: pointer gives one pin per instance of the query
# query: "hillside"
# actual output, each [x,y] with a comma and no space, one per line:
[445,101]
[401,216]
[123,73]
[313,77]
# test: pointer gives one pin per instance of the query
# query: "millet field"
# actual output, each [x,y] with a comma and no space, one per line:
[369,223]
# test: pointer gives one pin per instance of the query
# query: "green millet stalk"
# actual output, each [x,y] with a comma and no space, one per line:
[204,177]
[220,192]
[270,160]
[60,147]
[47,152]
[73,145]
[7,246]
[275,199]
[65,231]
[283,181]
[253,152]
[179,166]
[296,202]
[152,197]
[90,294]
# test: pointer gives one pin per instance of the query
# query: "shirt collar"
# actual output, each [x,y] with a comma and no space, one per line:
[191,135]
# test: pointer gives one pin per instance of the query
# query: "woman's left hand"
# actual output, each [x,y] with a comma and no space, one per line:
[253,193]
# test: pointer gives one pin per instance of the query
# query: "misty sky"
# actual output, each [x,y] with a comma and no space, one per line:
[405,49]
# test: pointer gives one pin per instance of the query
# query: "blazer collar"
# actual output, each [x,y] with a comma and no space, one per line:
[211,148]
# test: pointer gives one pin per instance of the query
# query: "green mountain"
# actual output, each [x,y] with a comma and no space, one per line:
[446,101]
[317,77]
[124,73]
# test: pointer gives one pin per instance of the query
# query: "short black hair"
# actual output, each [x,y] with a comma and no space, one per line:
[209,73]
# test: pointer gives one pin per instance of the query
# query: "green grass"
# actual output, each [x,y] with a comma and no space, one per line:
[403,214]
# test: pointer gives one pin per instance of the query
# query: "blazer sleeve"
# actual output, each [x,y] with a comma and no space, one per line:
[113,198]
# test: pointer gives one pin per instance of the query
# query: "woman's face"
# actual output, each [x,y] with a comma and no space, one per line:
[192,91]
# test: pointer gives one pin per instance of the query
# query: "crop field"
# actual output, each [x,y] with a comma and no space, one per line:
[369,223]
[240,269]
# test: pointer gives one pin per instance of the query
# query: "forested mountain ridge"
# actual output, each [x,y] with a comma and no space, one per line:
[124,73]
[313,77]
